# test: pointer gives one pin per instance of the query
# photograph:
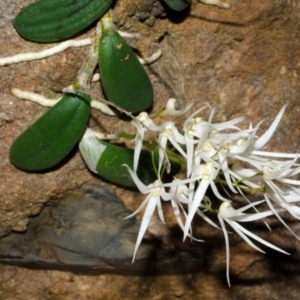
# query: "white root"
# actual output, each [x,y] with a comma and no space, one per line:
[129,34]
[45,53]
[20,94]
[9,60]
[149,60]
[25,95]
[218,3]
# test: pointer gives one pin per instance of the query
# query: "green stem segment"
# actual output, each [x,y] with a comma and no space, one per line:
[86,72]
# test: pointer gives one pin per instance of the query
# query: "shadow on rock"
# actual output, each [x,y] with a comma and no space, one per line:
[86,232]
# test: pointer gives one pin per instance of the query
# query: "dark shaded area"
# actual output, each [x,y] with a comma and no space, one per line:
[86,232]
[177,16]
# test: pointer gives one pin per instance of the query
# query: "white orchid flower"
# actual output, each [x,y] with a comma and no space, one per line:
[194,129]
[171,108]
[179,196]
[170,133]
[206,173]
[142,123]
[155,192]
[232,217]
[281,194]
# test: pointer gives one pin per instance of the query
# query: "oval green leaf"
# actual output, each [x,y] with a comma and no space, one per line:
[123,78]
[110,165]
[51,138]
[107,160]
[55,20]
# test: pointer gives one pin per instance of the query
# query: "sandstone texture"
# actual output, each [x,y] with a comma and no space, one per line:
[244,60]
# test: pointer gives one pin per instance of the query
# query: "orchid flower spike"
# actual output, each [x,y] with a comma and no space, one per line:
[142,123]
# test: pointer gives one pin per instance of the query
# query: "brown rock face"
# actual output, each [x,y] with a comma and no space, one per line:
[244,60]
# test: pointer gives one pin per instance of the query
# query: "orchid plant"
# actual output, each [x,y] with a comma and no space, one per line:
[212,155]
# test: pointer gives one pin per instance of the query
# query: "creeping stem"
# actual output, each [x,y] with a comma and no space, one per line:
[86,72]
[107,22]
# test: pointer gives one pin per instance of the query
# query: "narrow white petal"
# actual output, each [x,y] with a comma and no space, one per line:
[212,112]
[289,181]
[281,198]
[162,151]
[160,211]
[179,138]
[275,154]
[228,124]
[145,222]
[142,188]
[255,163]
[244,196]
[278,216]
[252,217]
[273,170]
[191,194]
[245,182]
[180,182]
[164,195]
[262,241]
[291,172]
[293,195]
[250,205]
[177,147]
[282,193]
[189,153]
[216,192]
[145,201]
[176,210]
[208,220]
[137,152]
[227,248]
[239,169]
[259,143]
[201,190]
[241,231]
[225,169]
[187,122]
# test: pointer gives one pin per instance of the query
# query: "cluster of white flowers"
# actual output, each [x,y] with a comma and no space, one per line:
[213,153]
[217,153]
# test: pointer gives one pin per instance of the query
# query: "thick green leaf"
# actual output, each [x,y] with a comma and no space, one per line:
[50,139]
[178,5]
[55,20]
[123,78]
[112,157]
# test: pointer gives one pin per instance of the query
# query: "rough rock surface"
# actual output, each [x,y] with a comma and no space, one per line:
[244,60]
[86,232]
